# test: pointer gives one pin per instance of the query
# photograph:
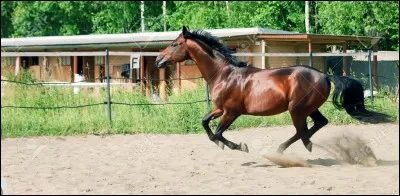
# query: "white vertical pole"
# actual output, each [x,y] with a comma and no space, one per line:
[263,51]
[142,15]
[307,17]
[165,14]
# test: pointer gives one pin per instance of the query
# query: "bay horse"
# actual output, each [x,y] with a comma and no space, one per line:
[239,89]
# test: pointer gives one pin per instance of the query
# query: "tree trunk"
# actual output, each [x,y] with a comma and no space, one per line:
[316,18]
[142,15]
[307,17]
[227,9]
[164,7]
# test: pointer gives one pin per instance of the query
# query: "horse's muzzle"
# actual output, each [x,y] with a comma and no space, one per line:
[161,62]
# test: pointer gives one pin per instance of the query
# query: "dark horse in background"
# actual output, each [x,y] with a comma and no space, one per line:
[238,89]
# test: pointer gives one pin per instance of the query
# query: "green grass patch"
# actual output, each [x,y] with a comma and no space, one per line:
[160,119]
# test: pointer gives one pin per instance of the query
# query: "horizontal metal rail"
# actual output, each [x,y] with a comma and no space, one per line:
[119,53]
[83,84]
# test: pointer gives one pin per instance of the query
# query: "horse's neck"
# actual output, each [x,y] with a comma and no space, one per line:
[211,67]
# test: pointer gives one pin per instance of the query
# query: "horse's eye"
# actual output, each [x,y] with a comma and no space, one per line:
[174,44]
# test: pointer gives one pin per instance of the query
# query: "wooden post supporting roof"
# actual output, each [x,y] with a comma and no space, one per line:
[76,66]
[105,69]
[263,57]
[375,64]
[131,71]
[71,64]
[310,63]
[345,60]
[17,65]
[43,66]
[148,81]
[296,50]
[97,69]
[163,84]
[141,76]
[178,69]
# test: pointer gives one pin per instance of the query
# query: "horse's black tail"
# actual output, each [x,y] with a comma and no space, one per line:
[348,94]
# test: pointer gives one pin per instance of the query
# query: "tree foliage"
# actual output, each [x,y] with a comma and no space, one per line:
[362,18]
[47,18]
[116,17]
[7,8]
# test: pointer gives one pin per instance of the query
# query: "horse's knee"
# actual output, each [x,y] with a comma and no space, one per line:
[218,136]
[324,122]
[205,122]
[319,119]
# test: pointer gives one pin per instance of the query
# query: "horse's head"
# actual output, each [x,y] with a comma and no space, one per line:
[175,52]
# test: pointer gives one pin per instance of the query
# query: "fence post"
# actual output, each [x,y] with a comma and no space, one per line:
[108,89]
[207,97]
[310,60]
[370,76]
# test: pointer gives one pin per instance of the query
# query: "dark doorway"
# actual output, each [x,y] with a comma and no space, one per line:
[88,68]
[80,65]
[27,61]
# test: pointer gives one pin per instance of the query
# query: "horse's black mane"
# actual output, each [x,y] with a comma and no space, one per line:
[215,43]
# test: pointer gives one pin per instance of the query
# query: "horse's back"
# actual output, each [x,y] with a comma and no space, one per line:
[298,69]
[279,88]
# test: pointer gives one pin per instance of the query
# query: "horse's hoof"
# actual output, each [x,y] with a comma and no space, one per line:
[279,151]
[309,146]
[244,148]
[219,144]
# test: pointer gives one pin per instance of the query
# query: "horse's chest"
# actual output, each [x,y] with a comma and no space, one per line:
[216,93]
[223,94]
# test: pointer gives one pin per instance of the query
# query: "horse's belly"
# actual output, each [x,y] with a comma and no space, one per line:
[266,105]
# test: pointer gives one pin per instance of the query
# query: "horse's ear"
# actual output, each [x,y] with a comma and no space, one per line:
[185,32]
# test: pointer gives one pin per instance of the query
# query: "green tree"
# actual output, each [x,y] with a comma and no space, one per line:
[197,15]
[36,19]
[7,8]
[77,17]
[47,18]
[363,19]
[153,15]
[116,17]
[274,14]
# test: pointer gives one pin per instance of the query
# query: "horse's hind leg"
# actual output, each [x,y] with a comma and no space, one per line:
[206,121]
[319,122]
[226,121]
[299,121]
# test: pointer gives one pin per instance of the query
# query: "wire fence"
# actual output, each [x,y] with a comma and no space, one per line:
[96,104]
[109,101]
[94,80]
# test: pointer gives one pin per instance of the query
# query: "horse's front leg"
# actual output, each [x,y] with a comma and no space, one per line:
[226,121]
[216,113]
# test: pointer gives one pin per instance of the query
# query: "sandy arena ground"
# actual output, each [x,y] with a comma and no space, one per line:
[191,164]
